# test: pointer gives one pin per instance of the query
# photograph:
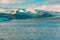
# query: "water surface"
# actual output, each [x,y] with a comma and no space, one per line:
[30,30]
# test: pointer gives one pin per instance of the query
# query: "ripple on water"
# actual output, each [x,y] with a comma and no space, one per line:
[30,30]
[4,19]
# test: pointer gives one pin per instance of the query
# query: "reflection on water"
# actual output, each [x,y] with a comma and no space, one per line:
[2,19]
[30,29]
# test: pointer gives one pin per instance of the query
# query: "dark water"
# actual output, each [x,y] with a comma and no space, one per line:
[29,29]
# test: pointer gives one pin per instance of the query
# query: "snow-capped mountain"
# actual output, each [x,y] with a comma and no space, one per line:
[27,13]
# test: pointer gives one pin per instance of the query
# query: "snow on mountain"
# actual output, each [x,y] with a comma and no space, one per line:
[28,13]
[13,10]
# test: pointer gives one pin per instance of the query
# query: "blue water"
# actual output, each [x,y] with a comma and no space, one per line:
[30,29]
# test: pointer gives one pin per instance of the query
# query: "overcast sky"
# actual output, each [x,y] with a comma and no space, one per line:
[28,3]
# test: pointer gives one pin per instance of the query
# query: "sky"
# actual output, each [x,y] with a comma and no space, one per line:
[28,3]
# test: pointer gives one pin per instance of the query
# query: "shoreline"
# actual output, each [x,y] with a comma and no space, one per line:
[46,18]
[40,19]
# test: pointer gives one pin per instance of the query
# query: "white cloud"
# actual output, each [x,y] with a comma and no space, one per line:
[11,1]
[54,0]
[49,8]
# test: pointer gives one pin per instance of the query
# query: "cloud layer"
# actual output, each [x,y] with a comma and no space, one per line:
[54,0]
[11,1]
[49,8]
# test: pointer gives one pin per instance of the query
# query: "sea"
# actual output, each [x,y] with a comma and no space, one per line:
[27,29]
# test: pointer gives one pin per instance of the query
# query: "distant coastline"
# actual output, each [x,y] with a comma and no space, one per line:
[44,18]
